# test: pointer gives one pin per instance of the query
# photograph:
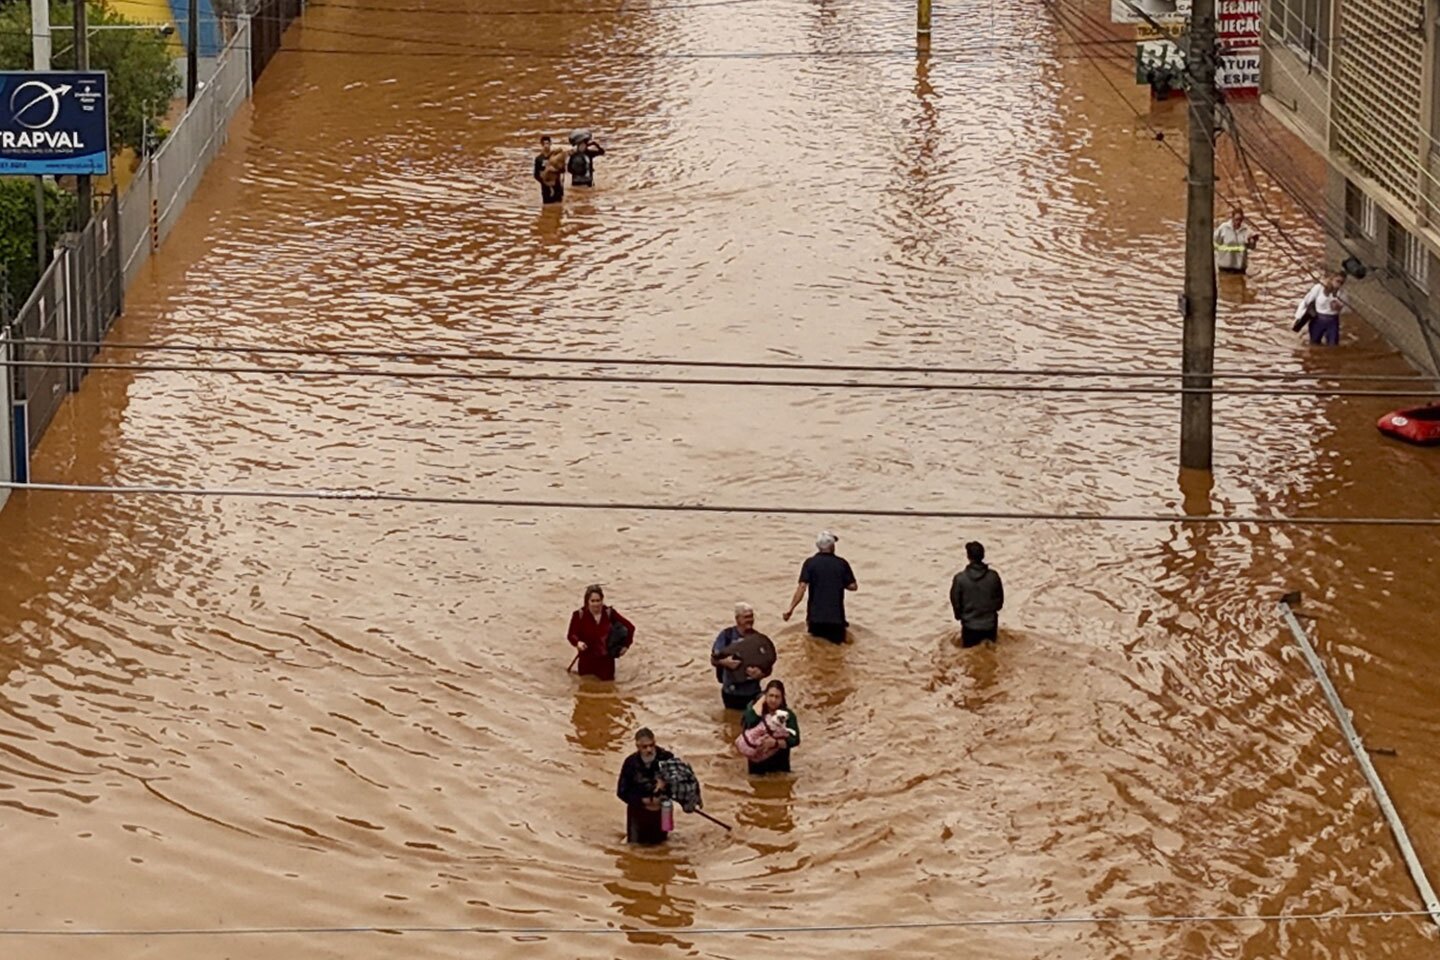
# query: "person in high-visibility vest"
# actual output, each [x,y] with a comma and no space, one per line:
[1233,242]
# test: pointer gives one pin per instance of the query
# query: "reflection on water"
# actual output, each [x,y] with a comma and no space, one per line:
[604,720]
[316,713]
[649,892]
[768,815]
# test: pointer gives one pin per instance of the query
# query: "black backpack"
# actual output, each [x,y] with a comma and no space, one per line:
[579,164]
[619,638]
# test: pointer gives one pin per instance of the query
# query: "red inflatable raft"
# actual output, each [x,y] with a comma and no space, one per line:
[1417,425]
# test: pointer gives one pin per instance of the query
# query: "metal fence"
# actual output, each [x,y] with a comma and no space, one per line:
[82,292]
[272,18]
[78,298]
[7,434]
[149,211]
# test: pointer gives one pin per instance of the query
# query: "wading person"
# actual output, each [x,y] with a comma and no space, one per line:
[741,658]
[599,634]
[770,731]
[541,159]
[550,171]
[1321,309]
[826,577]
[583,151]
[977,596]
[643,789]
[1233,242]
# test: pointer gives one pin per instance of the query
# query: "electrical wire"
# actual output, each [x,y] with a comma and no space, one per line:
[1322,216]
[493,356]
[588,378]
[467,13]
[381,496]
[977,53]
[1415,29]
[895,925]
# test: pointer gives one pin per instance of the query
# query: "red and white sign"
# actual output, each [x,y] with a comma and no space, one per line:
[1237,34]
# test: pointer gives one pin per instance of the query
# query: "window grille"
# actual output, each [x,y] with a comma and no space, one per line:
[1303,25]
[1375,110]
[1360,217]
[1407,255]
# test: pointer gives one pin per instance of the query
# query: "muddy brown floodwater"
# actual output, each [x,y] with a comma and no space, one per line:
[222,713]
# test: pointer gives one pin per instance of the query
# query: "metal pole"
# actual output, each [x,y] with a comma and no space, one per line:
[42,247]
[1357,747]
[40,48]
[40,33]
[82,62]
[192,50]
[922,25]
[1198,363]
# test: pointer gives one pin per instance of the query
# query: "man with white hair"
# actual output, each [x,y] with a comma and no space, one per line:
[827,577]
[739,682]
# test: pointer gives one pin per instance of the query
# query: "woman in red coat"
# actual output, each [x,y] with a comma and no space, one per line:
[590,634]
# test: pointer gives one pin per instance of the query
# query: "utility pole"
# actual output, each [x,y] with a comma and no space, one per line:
[192,50]
[1198,363]
[40,48]
[922,26]
[40,33]
[82,62]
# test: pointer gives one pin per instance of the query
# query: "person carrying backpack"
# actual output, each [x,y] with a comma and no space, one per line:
[583,151]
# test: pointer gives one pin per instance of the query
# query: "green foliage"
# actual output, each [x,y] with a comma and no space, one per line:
[17,229]
[142,75]
[142,82]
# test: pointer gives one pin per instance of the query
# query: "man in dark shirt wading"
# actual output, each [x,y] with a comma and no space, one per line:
[827,577]
[977,597]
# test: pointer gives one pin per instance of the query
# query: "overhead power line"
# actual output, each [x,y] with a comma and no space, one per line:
[625,931]
[495,356]
[587,378]
[381,496]
[469,13]
[442,47]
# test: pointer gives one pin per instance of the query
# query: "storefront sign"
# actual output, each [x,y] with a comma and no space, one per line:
[54,123]
[1162,49]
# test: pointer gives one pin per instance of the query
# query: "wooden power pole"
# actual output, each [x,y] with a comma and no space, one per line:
[922,26]
[1198,363]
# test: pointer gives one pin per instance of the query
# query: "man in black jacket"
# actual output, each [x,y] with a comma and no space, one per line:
[977,597]
[642,788]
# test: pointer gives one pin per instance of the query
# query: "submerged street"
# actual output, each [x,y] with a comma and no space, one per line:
[221,712]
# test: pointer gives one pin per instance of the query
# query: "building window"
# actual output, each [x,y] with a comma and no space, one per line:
[1406,255]
[1360,220]
[1305,26]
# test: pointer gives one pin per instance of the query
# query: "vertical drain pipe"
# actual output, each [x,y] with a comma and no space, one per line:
[1357,747]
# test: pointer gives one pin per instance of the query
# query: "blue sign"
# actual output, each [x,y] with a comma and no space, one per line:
[54,123]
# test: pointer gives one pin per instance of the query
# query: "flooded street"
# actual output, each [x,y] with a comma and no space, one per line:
[223,713]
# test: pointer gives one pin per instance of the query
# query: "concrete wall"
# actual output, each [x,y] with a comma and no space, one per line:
[1388,301]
